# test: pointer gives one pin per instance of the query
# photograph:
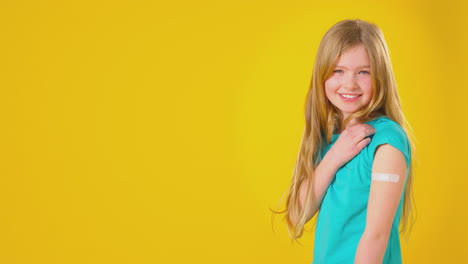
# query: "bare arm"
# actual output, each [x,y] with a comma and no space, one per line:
[384,198]
[323,176]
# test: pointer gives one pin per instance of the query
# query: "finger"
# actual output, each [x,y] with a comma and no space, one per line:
[364,131]
[363,143]
[370,130]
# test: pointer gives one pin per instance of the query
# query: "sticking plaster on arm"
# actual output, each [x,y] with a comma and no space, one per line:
[388,177]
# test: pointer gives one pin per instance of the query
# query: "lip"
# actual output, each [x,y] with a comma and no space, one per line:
[350,99]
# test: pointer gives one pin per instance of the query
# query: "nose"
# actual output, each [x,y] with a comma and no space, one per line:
[350,81]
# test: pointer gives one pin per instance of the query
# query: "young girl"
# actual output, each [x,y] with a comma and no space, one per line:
[355,161]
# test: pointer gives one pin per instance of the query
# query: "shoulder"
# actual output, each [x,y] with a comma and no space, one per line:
[388,132]
[385,127]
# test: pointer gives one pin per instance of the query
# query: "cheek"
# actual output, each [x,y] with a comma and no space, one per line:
[366,85]
[328,89]
[369,93]
[330,85]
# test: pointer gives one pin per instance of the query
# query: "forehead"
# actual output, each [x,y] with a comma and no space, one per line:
[354,57]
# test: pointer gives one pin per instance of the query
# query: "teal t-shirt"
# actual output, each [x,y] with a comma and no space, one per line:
[342,216]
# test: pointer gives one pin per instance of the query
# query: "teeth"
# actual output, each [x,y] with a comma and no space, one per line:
[349,96]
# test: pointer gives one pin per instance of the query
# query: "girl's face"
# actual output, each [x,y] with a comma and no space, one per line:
[349,87]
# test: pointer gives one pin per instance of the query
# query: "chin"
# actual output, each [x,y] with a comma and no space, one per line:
[349,110]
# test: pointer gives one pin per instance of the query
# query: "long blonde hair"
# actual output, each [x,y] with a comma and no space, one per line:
[322,118]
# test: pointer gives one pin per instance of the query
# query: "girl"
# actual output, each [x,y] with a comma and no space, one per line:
[355,161]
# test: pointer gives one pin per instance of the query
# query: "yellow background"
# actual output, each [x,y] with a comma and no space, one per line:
[151,132]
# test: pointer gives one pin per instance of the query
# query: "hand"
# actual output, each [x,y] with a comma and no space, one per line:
[350,142]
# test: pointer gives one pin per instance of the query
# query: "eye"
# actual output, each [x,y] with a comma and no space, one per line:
[365,72]
[337,70]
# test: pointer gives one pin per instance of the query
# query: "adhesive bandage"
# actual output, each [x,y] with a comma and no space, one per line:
[388,177]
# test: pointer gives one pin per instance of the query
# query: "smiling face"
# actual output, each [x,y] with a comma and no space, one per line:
[349,87]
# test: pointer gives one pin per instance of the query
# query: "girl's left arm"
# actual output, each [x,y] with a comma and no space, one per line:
[384,198]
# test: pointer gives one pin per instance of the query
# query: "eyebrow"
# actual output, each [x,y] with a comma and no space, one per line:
[359,67]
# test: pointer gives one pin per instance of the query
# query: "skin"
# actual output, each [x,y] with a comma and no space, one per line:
[351,78]
[384,197]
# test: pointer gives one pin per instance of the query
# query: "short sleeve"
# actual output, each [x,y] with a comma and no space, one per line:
[390,133]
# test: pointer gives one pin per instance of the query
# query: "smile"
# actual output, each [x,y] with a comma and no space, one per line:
[350,98]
